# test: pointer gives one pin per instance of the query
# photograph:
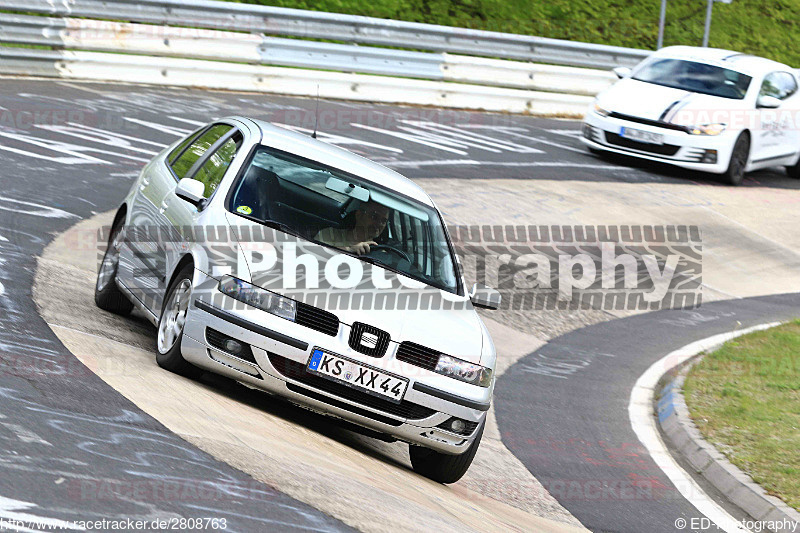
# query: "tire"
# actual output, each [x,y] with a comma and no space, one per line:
[739,156]
[441,467]
[794,171]
[107,295]
[171,323]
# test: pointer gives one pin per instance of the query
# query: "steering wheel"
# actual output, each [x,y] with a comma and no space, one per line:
[385,248]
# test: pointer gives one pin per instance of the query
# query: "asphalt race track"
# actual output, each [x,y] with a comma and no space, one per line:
[72,444]
[563,410]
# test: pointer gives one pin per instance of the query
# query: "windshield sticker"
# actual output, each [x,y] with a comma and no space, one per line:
[243,209]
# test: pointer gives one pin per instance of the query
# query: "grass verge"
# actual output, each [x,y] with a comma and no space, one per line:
[745,399]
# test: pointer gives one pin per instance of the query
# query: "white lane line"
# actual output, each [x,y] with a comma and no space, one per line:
[14,515]
[30,208]
[413,138]
[640,412]
[24,434]
[172,130]
[188,121]
[3,239]
[568,133]
[2,289]
[473,162]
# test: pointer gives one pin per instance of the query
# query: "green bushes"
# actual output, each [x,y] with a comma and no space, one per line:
[768,29]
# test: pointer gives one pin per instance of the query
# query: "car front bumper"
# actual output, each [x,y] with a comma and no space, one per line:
[680,148]
[281,350]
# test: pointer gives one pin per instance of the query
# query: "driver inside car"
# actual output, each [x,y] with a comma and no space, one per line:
[369,222]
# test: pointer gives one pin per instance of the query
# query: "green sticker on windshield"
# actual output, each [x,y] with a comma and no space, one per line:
[243,209]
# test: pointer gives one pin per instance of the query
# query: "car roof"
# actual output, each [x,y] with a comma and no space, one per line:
[744,63]
[339,158]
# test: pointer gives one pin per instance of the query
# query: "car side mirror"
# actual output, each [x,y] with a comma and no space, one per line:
[622,72]
[191,191]
[767,102]
[486,297]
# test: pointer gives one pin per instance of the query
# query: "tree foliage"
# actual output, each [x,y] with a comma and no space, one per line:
[767,29]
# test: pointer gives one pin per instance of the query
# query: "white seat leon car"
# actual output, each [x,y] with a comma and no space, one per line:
[301,269]
[704,109]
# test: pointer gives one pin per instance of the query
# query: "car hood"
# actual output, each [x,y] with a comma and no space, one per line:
[408,311]
[656,102]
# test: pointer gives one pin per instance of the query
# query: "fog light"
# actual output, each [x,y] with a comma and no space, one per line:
[709,156]
[457,425]
[233,347]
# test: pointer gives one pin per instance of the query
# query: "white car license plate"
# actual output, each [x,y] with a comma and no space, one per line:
[356,375]
[642,136]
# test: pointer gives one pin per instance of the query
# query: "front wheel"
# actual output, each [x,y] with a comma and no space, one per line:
[170,326]
[441,467]
[107,295]
[741,151]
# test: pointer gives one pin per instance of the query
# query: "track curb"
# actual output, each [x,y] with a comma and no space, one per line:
[736,485]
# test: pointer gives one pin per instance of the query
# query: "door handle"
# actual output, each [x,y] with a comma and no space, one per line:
[144,185]
[164,206]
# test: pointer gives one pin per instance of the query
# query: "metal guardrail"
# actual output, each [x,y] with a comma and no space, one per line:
[151,40]
[222,45]
[270,20]
[220,75]
[106,36]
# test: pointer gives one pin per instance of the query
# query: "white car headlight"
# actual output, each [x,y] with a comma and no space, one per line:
[708,129]
[600,110]
[464,371]
[257,297]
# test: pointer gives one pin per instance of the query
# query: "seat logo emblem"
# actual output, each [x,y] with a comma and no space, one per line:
[368,340]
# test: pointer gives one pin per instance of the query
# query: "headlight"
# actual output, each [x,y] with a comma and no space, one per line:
[601,111]
[708,129]
[257,297]
[463,371]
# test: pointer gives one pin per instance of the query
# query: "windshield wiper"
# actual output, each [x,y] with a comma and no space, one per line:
[373,261]
[280,226]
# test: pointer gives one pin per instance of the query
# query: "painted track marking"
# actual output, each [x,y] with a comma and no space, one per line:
[640,411]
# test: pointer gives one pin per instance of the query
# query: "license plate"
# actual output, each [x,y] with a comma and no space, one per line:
[642,136]
[357,375]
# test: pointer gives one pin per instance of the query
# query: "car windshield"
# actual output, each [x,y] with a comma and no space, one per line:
[695,77]
[340,210]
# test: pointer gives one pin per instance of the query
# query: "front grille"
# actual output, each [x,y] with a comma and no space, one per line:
[297,371]
[418,355]
[650,122]
[341,405]
[661,149]
[315,318]
[469,427]
[217,340]
[378,336]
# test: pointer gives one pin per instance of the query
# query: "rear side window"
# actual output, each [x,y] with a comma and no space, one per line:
[212,171]
[182,146]
[199,147]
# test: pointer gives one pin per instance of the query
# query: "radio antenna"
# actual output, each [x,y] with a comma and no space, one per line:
[316,114]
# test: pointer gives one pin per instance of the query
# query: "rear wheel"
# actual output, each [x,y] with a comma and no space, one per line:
[170,326]
[738,162]
[107,295]
[794,170]
[442,467]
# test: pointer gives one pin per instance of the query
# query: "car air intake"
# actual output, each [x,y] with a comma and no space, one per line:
[315,318]
[660,149]
[418,355]
[230,345]
[368,340]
